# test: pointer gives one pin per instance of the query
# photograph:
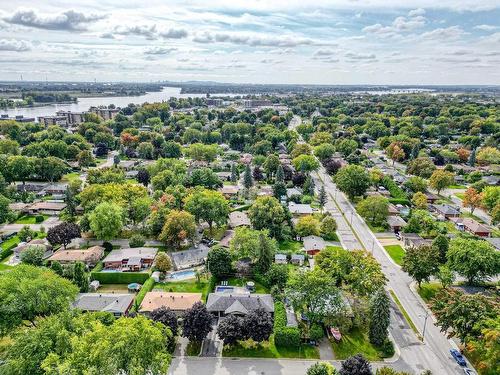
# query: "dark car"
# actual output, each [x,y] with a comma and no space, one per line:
[458,357]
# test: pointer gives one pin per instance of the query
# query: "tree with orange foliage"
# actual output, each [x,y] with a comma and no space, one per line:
[395,152]
[463,154]
[472,199]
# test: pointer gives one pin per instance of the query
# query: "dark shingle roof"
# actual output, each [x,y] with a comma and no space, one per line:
[220,302]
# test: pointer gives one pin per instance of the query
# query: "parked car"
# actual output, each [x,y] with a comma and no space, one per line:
[468,371]
[398,236]
[458,357]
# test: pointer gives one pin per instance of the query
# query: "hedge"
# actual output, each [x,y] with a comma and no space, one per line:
[7,252]
[120,277]
[284,336]
[394,189]
[146,287]
[404,202]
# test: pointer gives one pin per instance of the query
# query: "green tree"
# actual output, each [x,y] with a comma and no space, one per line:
[491,197]
[279,189]
[352,180]
[80,277]
[208,205]
[441,179]
[248,243]
[374,209]
[416,184]
[321,368]
[267,213]
[30,292]
[419,199]
[234,173]
[441,244]
[219,262]
[422,167]
[33,255]
[308,187]
[106,221]
[179,226]
[421,262]
[305,163]
[322,197]
[307,226]
[474,259]
[280,174]
[324,151]
[139,210]
[163,263]
[271,165]
[328,228]
[266,252]
[4,208]
[379,317]
[277,275]
[247,177]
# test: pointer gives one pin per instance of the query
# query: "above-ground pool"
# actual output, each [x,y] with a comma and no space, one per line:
[181,275]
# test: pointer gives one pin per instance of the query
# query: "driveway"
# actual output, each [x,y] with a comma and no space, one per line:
[212,346]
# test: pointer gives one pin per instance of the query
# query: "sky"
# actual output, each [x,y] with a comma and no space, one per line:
[253,41]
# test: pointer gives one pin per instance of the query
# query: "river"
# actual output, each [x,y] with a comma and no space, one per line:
[83,104]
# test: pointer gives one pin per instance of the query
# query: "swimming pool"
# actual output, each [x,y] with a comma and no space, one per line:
[182,275]
[223,288]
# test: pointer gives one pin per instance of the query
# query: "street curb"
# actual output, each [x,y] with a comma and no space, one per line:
[397,351]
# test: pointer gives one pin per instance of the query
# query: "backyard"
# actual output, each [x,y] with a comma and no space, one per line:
[290,246]
[241,282]
[188,286]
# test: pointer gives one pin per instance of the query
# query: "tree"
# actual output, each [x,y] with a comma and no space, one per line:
[491,197]
[139,210]
[163,262]
[445,276]
[280,174]
[352,180]
[305,163]
[390,371]
[321,368]
[219,262]
[309,187]
[197,322]
[30,292]
[167,317]
[279,189]
[145,150]
[379,317]
[266,251]
[247,177]
[259,325]
[26,234]
[33,255]
[474,259]
[80,277]
[271,165]
[441,244]
[106,221]
[314,293]
[486,348]
[488,155]
[257,173]
[356,365]
[328,227]
[307,226]
[179,226]
[374,209]
[419,200]
[4,208]
[267,213]
[422,167]
[472,199]
[441,179]
[416,184]
[421,262]
[231,329]
[395,152]
[332,166]
[277,275]
[136,240]
[324,151]
[204,177]
[85,159]
[376,176]
[143,177]
[347,146]
[322,198]
[208,205]
[234,173]
[63,234]
[472,158]
[300,149]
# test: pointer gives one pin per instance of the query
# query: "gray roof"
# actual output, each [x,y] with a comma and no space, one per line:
[110,302]
[280,257]
[495,241]
[137,252]
[313,243]
[445,209]
[395,221]
[240,303]
[190,257]
[298,257]
[300,208]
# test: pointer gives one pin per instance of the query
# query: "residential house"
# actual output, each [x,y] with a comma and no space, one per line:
[445,211]
[53,120]
[222,304]
[300,209]
[246,158]
[413,240]
[396,223]
[492,180]
[290,192]
[229,191]
[190,258]
[495,241]
[265,191]
[177,302]
[431,197]
[392,210]
[133,259]
[115,303]
[89,256]
[41,242]
[72,118]
[54,189]
[471,226]
[224,176]
[280,259]
[297,259]
[47,208]
[238,219]
[313,244]
[226,238]
[105,113]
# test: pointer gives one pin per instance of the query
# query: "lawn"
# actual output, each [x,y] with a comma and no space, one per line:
[396,252]
[334,247]
[471,216]
[355,342]
[292,246]
[457,187]
[112,288]
[241,282]
[29,219]
[376,229]
[251,349]
[428,290]
[4,267]
[460,195]
[70,177]
[11,241]
[190,286]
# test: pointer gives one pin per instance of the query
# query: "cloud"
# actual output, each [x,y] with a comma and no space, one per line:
[324,52]
[360,56]
[486,27]
[416,12]
[452,32]
[147,31]
[455,60]
[69,20]
[107,36]
[14,45]
[253,40]
[399,25]
[159,51]
[174,33]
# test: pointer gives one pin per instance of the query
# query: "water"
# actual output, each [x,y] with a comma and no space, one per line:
[83,104]
[181,275]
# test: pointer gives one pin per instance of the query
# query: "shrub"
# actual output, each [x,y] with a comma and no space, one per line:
[136,241]
[120,277]
[316,332]
[394,189]
[146,287]
[387,348]
[284,336]
[39,218]
[107,246]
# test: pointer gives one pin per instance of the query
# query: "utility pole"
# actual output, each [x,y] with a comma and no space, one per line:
[425,325]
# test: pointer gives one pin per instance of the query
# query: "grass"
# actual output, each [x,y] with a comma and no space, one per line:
[112,288]
[70,177]
[11,241]
[428,290]
[190,286]
[4,267]
[457,187]
[29,219]
[460,195]
[355,342]
[396,252]
[376,229]
[405,314]
[241,282]
[293,246]
[471,216]
[193,348]
[251,349]
[334,247]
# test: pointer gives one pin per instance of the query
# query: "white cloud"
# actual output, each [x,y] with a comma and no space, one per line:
[399,25]
[324,52]
[452,32]
[14,45]
[486,27]
[360,56]
[254,40]
[416,12]
[159,51]
[69,20]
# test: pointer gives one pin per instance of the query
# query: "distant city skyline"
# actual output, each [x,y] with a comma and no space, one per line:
[299,42]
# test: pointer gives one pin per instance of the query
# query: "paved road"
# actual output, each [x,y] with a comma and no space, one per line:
[51,221]
[480,213]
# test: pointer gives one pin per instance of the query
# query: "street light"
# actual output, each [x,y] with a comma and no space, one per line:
[373,245]
[351,216]
[425,325]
